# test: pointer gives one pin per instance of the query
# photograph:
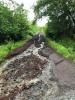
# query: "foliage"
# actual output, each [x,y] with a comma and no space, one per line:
[34,27]
[66,47]
[61,15]
[5,49]
[44,29]
[13,23]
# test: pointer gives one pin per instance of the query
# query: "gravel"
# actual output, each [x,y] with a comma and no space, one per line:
[42,87]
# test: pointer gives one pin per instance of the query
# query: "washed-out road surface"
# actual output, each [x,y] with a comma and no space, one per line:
[35,71]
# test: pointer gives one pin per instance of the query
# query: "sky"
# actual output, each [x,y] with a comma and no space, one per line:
[27,5]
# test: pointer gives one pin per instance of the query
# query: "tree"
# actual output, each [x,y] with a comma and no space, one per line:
[61,15]
[13,22]
[5,21]
[34,28]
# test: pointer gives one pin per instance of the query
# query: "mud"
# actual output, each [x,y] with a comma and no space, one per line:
[37,72]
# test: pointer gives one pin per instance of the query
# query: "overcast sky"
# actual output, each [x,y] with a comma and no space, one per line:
[27,5]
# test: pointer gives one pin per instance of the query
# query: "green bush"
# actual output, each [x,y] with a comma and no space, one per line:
[9,46]
[13,23]
[34,28]
[64,47]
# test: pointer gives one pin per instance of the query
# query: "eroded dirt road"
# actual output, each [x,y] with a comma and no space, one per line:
[37,72]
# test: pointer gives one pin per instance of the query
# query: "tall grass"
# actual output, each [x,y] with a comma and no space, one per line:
[5,49]
[66,47]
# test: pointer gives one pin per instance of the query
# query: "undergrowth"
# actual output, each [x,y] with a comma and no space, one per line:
[5,49]
[66,47]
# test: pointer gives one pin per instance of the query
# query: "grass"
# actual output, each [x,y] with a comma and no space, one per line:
[5,49]
[66,47]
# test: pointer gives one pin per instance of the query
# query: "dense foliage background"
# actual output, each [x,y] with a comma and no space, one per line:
[59,31]
[61,17]
[14,23]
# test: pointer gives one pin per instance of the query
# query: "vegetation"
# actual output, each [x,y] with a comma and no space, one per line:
[14,24]
[15,28]
[61,15]
[34,27]
[64,47]
[5,49]
[60,29]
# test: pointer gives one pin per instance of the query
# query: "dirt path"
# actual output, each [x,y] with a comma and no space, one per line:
[37,72]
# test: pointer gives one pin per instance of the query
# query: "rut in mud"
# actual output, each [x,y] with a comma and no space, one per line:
[37,72]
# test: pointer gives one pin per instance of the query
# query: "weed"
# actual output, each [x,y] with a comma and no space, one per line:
[5,49]
[64,47]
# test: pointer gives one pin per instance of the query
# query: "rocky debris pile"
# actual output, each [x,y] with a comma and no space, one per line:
[31,75]
[27,67]
[31,65]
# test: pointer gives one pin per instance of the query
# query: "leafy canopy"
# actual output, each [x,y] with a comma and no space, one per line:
[61,14]
[13,22]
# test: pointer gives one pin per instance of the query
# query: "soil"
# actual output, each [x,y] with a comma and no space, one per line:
[20,50]
[43,74]
[30,65]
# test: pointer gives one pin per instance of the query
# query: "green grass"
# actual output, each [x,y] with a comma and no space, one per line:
[5,49]
[66,47]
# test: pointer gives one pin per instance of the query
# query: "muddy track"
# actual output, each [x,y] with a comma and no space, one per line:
[35,71]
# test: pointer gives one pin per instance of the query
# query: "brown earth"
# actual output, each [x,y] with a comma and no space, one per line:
[31,69]
[20,50]
[63,69]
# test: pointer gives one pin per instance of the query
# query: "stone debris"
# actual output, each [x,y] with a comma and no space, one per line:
[30,76]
